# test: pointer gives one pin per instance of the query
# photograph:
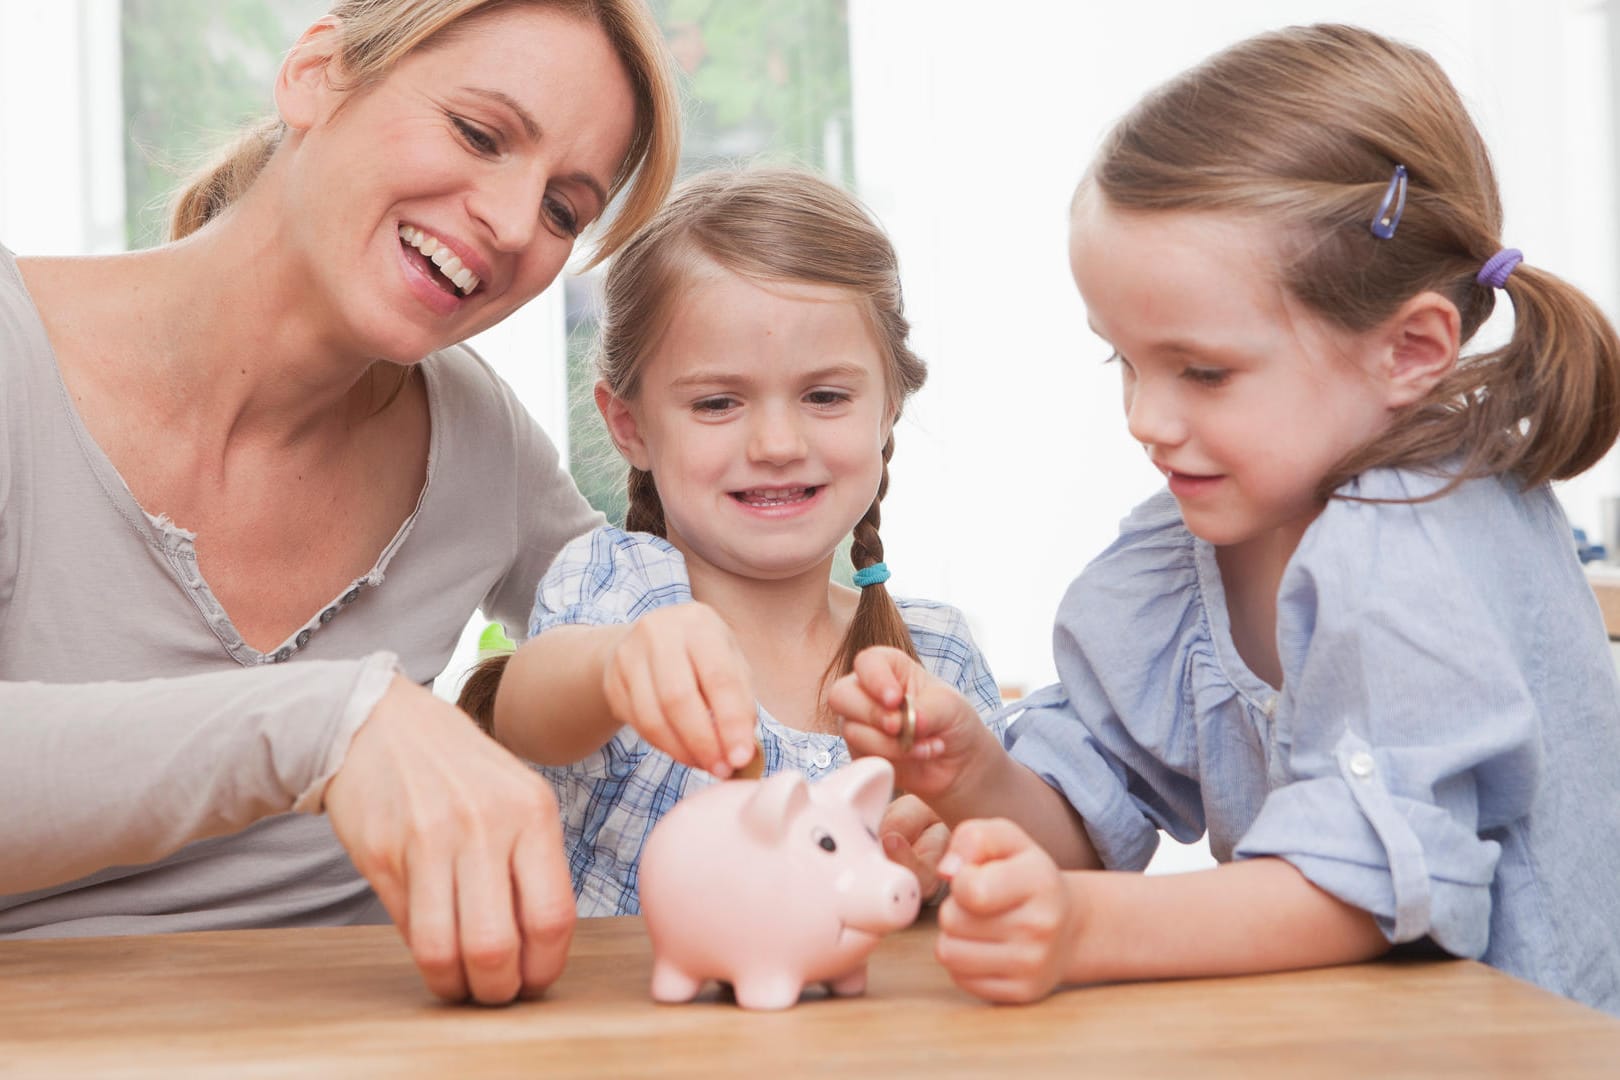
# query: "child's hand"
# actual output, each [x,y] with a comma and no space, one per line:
[914,837]
[679,678]
[949,735]
[1009,929]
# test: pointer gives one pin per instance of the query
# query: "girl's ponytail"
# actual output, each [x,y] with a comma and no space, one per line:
[877,618]
[646,510]
[1545,406]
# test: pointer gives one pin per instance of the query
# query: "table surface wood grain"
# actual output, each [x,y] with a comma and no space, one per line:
[347,1002]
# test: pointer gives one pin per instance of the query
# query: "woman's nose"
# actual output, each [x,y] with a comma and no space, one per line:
[509,202]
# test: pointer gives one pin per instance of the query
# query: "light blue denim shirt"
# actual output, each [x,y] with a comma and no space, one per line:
[1445,749]
[611,800]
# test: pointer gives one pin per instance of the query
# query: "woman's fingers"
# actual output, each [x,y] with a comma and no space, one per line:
[487,924]
[544,897]
[431,927]
[461,842]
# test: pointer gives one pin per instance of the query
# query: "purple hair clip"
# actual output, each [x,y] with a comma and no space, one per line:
[1497,268]
[1389,211]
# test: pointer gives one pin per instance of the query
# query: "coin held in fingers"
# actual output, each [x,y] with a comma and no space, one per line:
[908,724]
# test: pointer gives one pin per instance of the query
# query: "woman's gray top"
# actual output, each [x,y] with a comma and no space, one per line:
[156,772]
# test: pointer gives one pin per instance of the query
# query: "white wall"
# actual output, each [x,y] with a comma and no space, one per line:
[972,124]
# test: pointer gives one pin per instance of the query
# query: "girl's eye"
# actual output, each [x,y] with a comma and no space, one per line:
[713,405]
[475,136]
[826,397]
[1117,357]
[562,215]
[1206,376]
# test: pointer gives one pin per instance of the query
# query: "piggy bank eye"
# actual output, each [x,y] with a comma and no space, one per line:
[824,838]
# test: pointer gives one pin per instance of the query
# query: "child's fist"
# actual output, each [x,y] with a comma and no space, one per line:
[1008,930]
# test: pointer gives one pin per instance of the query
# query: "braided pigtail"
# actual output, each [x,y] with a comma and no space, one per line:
[877,618]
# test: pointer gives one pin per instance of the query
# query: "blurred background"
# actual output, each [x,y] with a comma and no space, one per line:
[963,125]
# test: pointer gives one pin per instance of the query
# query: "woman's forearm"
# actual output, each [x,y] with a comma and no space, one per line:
[551,707]
[1240,918]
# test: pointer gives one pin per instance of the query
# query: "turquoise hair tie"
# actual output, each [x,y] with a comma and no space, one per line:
[876,574]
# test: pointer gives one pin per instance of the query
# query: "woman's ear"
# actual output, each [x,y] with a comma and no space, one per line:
[1420,341]
[304,90]
[622,426]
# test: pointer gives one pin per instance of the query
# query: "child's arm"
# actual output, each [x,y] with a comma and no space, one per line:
[676,675]
[956,764]
[1015,927]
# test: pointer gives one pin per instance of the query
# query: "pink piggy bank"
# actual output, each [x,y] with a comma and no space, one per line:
[773,884]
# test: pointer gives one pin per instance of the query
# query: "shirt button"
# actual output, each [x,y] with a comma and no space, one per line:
[823,759]
[348,597]
[282,655]
[326,616]
[303,638]
[1361,764]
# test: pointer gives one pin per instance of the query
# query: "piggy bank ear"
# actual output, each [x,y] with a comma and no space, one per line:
[773,804]
[867,784]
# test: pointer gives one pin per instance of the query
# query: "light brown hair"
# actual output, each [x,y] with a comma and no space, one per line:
[377,34]
[783,225]
[1303,128]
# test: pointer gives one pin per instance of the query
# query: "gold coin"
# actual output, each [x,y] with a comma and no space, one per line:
[908,724]
[756,764]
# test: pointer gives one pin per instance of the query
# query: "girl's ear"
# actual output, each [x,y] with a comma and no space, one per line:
[304,91]
[1420,341]
[622,426]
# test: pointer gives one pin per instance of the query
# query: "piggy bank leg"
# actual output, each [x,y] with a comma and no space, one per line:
[767,991]
[851,985]
[671,984]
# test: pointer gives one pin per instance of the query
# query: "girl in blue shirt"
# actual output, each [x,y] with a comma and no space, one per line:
[753,363]
[1351,643]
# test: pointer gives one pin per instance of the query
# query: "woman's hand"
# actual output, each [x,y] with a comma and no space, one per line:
[949,741]
[914,837]
[1010,928]
[680,679]
[462,843]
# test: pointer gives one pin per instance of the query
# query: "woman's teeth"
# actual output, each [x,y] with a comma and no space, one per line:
[774,496]
[441,257]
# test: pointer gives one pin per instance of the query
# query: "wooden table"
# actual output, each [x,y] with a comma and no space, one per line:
[347,1002]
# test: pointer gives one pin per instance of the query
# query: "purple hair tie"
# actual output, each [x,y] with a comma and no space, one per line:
[1497,268]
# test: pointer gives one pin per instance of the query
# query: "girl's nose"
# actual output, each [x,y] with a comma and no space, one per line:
[1153,417]
[776,439]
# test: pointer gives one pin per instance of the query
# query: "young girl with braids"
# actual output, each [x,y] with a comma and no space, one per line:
[753,362]
[1351,643]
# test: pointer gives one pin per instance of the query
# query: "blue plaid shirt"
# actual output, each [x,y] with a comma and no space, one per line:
[612,799]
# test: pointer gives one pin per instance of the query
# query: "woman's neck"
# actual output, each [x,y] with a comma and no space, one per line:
[213,336]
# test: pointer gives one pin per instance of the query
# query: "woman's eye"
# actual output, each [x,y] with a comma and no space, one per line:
[1206,376]
[563,216]
[475,136]
[826,397]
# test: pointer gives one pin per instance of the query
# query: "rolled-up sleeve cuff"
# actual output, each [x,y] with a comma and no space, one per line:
[1052,743]
[1413,866]
[371,681]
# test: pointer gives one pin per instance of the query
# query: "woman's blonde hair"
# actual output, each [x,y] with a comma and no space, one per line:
[1303,128]
[377,34]
[771,225]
